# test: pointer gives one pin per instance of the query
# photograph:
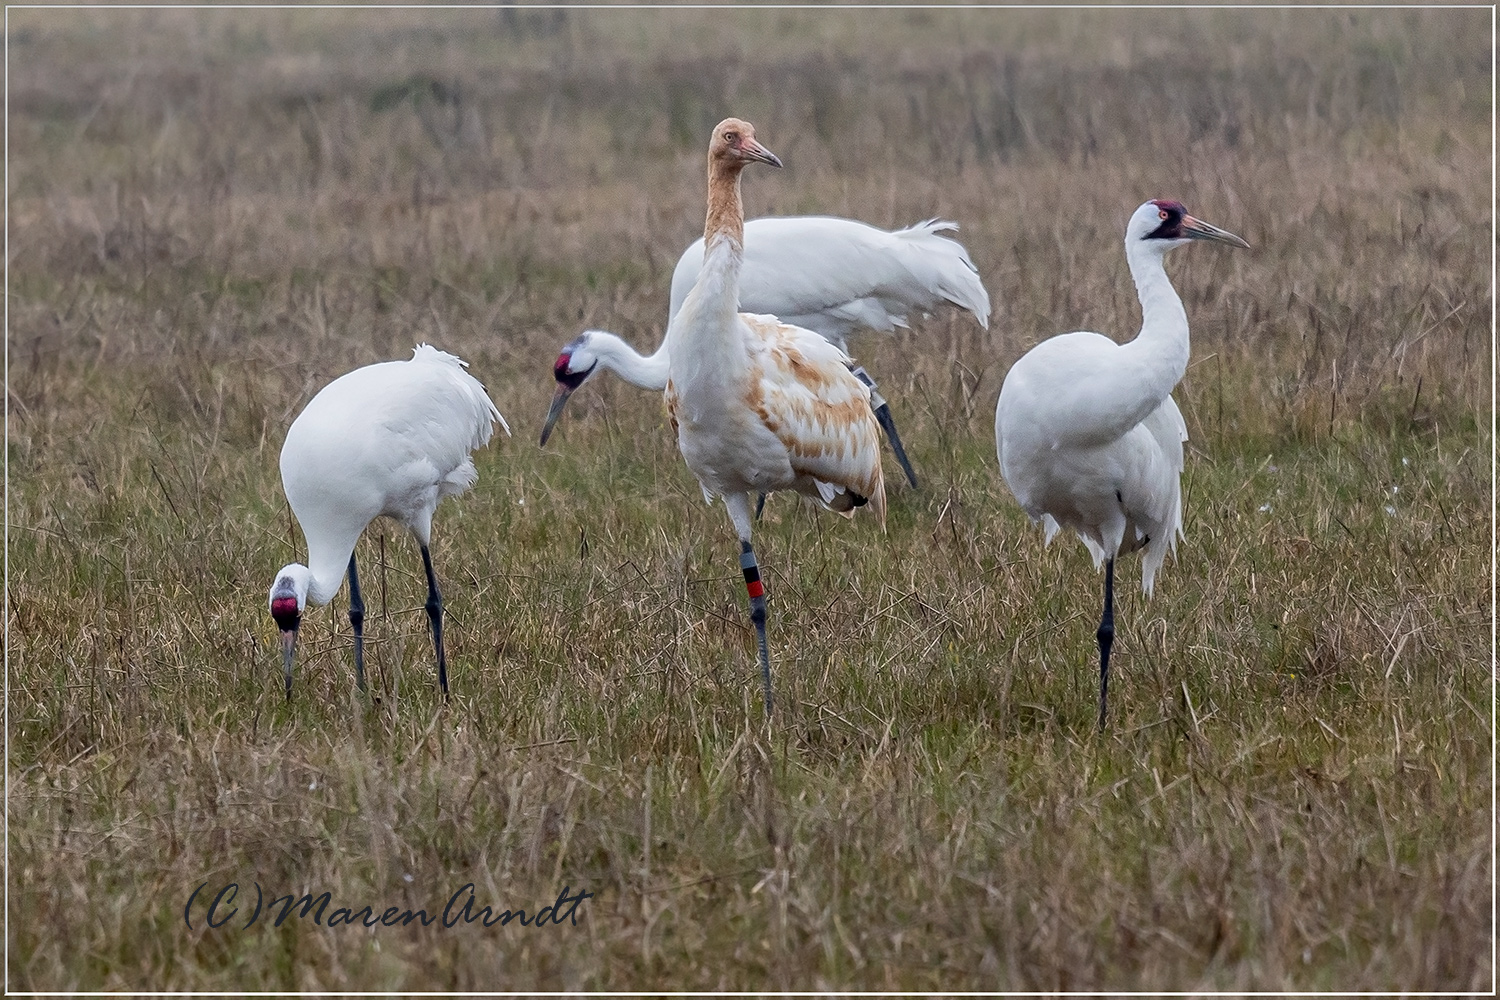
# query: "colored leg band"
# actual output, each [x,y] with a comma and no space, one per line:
[876,399]
[752,573]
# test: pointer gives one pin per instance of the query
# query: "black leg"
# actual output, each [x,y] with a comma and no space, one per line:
[1106,635]
[435,616]
[883,417]
[357,619]
[887,423]
[760,505]
[757,594]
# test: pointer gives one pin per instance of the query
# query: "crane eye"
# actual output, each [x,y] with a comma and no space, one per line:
[1164,213]
[731,137]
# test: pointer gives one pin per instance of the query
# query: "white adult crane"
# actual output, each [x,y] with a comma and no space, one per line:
[758,405]
[1087,433]
[392,438]
[830,275]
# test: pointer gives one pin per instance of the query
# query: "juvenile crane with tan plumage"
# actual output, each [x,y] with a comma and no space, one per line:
[1087,433]
[759,405]
[830,275]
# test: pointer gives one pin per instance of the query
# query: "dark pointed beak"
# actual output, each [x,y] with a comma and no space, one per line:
[755,151]
[559,400]
[288,647]
[1197,229]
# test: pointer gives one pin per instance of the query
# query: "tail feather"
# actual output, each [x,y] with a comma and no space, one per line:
[876,499]
[486,414]
[944,267]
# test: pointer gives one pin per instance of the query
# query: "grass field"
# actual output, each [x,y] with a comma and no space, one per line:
[213,213]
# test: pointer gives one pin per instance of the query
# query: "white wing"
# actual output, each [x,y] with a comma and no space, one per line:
[1079,389]
[1158,515]
[1075,457]
[835,276]
[390,438]
[477,409]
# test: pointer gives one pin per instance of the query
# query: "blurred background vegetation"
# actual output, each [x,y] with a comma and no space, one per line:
[214,212]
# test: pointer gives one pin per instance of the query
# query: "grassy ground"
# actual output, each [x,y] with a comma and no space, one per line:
[212,213]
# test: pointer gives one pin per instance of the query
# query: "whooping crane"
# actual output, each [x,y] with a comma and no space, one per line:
[1087,433]
[392,438]
[830,275]
[758,405]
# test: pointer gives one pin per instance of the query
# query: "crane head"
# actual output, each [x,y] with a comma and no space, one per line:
[734,142]
[573,367]
[288,598]
[1170,223]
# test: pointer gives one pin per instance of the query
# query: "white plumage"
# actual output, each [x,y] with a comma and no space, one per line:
[1087,433]
[1065,458]
[835,276]
[758,405]
[829,275]
[387,439]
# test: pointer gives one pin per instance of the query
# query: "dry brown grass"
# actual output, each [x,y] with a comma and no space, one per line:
[214,212]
